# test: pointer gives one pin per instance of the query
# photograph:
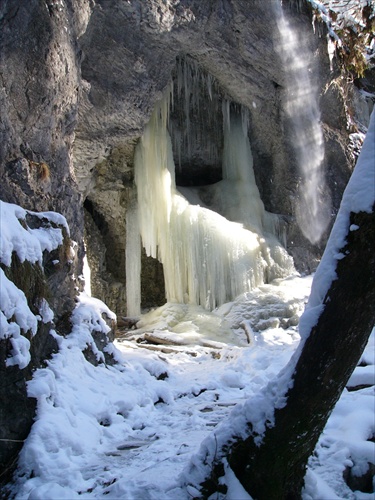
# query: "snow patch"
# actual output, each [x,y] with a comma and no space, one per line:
[15,319]
[29,244]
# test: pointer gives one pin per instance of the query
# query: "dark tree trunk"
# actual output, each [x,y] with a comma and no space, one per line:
[275,470]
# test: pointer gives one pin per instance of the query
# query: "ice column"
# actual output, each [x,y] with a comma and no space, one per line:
[207,259]
[238,192]
[133,261]
[313,207]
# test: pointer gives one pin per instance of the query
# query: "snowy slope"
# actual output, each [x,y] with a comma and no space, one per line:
[128,431]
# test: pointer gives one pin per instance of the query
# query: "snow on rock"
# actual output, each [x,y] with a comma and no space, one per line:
[16,318]
[362,375]
[14,236]
[45,311]
[88,315]
[52,490]
[14,304]
[235,489]
[88,318]
[344,445]
[29,244]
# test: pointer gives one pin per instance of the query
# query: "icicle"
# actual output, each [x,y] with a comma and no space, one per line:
[226,114]
[196,103]
[133,262]
[245,120]
[172,90]
[86,271]
[187,91]
[331,48]
[209,86]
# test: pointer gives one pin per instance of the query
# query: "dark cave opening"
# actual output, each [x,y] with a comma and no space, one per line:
[96,216]
[196,125]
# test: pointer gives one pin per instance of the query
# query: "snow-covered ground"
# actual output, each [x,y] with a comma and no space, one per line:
[127,431]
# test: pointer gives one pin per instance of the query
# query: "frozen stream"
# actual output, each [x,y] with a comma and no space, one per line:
[128,431]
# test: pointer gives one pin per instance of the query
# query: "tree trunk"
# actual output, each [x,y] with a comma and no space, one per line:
[329,356]
[275,470]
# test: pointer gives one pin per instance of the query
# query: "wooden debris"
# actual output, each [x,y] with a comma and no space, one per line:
[169,342]
[167,350]
[248,331]
[212,344]
[164,338]
[126,322]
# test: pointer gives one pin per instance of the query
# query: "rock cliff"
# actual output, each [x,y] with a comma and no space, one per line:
[80,80]
[131,53]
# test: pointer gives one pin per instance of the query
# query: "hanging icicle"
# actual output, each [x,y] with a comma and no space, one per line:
[196,102]
[207,259]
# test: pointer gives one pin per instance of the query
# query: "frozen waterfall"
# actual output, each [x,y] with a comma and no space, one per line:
[208,258]
[133,261]
[313,206]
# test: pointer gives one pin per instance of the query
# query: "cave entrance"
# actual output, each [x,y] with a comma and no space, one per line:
[196,125]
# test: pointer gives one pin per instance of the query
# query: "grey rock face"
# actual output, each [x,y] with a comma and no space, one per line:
[40,86]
